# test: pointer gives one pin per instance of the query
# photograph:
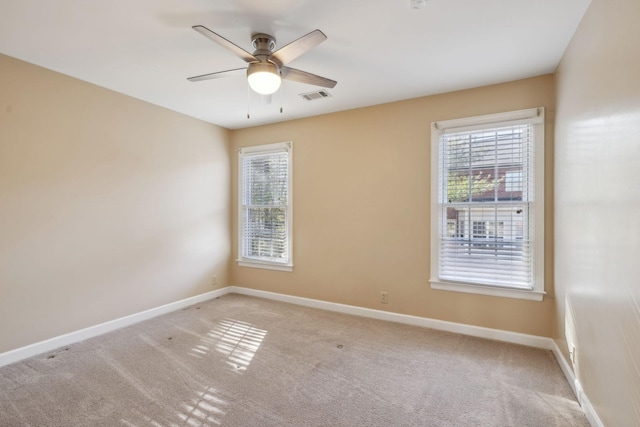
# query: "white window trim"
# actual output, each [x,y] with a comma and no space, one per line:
[533,116]
[255,263]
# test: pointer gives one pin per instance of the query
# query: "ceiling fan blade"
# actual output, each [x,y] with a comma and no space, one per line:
[304,77]
[288,53]
[237,50]
[216,75]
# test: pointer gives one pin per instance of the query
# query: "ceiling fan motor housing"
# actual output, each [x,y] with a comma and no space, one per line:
[263,44]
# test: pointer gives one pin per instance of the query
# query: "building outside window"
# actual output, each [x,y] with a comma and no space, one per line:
[513,181]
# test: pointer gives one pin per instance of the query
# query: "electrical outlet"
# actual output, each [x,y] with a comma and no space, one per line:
[384,298]
[214,281]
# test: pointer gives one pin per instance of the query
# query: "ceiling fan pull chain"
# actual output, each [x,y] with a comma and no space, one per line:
[281,96]
[248,103]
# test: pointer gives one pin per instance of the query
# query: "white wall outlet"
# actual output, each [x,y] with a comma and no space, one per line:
[214,281]
[384,297]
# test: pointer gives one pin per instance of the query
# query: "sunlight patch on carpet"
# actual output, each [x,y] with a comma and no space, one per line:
[203,410]
[237,340]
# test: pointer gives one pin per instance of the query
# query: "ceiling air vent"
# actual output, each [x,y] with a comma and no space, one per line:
[312,96]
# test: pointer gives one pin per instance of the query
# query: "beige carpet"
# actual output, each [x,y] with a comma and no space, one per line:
[243,361]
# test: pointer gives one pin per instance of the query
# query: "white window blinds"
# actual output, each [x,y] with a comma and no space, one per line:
[486,204]
[264,204]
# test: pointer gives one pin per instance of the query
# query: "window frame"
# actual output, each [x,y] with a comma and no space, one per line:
[535,117]
[263,262]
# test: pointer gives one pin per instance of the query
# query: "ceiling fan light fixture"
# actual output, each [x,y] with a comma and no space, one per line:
[264,77]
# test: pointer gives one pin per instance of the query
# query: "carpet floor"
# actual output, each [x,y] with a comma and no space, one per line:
[244,361]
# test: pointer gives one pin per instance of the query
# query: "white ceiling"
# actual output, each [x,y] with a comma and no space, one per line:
[378,50]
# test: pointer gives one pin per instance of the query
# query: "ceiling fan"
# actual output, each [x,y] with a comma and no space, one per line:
[267,68]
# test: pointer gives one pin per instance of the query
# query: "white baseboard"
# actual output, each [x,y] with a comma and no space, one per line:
[45,346]
[587,408]
[459,328]
[567,370]
[583,400]
[476,331]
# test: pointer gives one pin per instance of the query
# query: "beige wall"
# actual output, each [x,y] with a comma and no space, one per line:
[597,207]
[361,208]
[108,205]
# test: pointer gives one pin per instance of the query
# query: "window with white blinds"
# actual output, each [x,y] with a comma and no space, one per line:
[265,209]
[487,204]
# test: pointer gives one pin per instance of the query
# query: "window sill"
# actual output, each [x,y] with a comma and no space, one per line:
[496,291]
[265,265]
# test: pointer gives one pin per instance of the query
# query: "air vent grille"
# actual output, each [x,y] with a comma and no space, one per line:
[312,96]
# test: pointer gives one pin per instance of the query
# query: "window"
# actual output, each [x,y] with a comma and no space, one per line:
[488,173]
[265,208]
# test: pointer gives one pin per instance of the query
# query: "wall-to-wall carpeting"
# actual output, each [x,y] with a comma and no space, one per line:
[245,361]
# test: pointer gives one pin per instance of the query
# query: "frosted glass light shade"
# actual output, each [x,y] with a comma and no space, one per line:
[263,77]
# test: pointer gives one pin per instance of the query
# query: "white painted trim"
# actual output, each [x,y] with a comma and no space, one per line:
[530,115]
[45,346]
[271,266]
[567,370]
[459,328]
[495,291]
[585,403]
[587,408]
